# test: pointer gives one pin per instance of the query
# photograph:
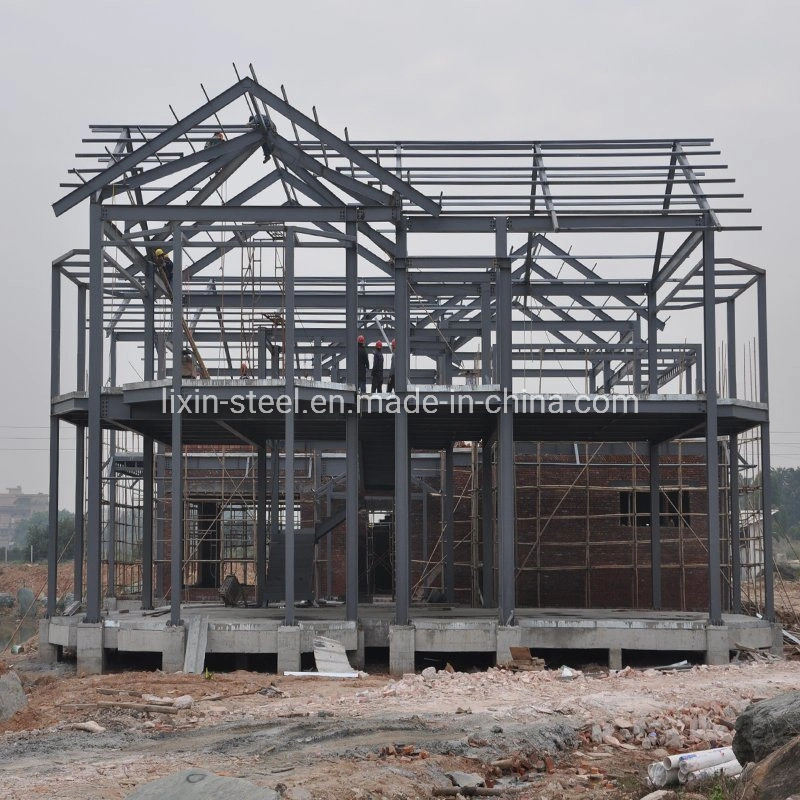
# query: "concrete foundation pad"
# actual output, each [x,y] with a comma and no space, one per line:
[91,648]
[433,629]
[173,648]
[288,649]
[717,651]
[48,653]
[401,649]
[507,637]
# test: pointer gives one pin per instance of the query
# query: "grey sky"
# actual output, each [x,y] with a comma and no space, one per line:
[417,69]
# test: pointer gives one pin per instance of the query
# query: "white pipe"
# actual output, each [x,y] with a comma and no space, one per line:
[730,768]
[660,776]
[689,762]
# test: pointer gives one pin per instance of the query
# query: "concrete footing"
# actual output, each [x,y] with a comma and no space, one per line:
[288,649]
[507,637]
[615,658]
[777,640]
[48,653]
[401,649]
[717,645]
[357,658]
[91,652]
[173,648]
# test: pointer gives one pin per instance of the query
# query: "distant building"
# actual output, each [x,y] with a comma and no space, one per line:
[16,507]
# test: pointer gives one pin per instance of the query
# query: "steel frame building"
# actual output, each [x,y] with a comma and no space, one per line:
[462,251]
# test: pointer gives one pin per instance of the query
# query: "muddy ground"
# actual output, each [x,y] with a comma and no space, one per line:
[373,737]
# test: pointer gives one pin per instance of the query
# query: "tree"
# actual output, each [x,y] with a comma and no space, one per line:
[786,500]
[36,534]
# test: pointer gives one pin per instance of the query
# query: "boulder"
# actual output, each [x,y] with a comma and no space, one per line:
[776,777]
[12,695]
[198,784]
[765,726]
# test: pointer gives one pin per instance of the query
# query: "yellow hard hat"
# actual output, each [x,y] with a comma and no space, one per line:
[159,252]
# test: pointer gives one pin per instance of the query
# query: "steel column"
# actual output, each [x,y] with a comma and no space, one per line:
[288,480]
[652,342]
[506,584]
[55,389]
[712,453]
[147,442]
[766,473]
[176,479]
[80,450]
[488,515]
[733,467]
[95,437]
[655,522]
[447,519]
[351,428]
[402,549]
[261,522]
[111,525]
[486,333]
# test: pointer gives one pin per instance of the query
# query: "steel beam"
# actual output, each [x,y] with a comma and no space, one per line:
[95,433]
[351,444]
[55,383]
[487,526]
[655,522]
[712,451]
[402,489]
[289,436]
[766,470]
[176,477]
[448,524]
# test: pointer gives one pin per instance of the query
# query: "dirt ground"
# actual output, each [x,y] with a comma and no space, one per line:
[533,734]
[14,576]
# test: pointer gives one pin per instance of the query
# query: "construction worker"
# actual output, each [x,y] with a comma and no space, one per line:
[363,365]
[377,368]
[390,384]
[217,138]
[164,263]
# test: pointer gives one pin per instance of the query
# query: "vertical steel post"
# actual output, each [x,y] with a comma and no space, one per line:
[766,476]
[733,466]
[486,332]
[488,516]
[95,438]
[351,426]
[655,523]
[275,494]
[147,441]
[55,389]
[652,342]
[288,362]
[261,522]
[111,526]
[402,549]
[176,553]
[447,518]
[506,589]
[80,450]
[261,490]
[712,453]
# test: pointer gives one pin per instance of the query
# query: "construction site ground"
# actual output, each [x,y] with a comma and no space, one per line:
[533,732]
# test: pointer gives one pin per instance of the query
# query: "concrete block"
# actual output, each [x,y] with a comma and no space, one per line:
[401,649]
[717,652]
[615,658]
[288,649]
[91,648]
[777,640]
[48,653]
[357,657]
[508,636]
[173,648]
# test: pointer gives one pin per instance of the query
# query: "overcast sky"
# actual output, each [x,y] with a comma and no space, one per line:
[497,69]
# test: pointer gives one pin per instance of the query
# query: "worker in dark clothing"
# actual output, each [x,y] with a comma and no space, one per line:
[390,384]
[217,138]
[164,265]
[363,365]
[377,368]
[260,122]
